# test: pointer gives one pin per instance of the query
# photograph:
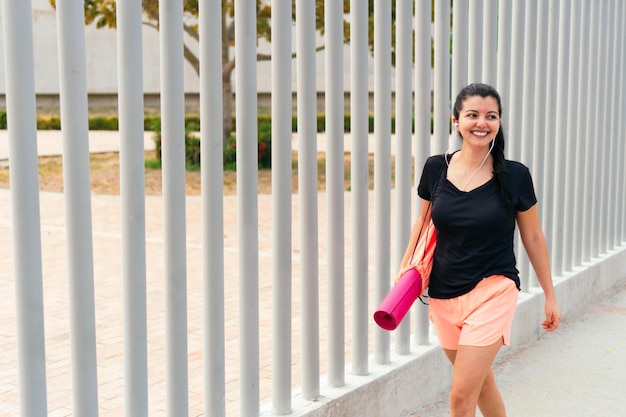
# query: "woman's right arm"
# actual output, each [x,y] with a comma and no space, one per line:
[423,217]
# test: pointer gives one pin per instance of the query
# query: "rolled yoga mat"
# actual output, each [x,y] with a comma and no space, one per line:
[399,300]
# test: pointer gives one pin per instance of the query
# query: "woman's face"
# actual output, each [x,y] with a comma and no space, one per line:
[479,120]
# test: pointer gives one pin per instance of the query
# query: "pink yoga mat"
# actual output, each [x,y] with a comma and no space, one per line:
[399,300]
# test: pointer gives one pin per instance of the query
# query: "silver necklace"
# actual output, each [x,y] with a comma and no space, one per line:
[473,173]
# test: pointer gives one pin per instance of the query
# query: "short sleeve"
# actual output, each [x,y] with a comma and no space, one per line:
[429,177]
[521,184]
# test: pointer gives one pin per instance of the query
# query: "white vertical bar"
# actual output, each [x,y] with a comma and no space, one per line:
[247,203]
[551,114]
[572,136]
[539,125]
[528,82]
[382,165]
[129,46]
[616,140]
[441,106]
[514,104]
[560,138]
[490,42]
[359,183]
[539,106]
[281,207]
[22,131]
[307,193]
[404,122]
[504,52]
[581,154]
[608,185]
[211,161]
[475,47]
[333,29]
[173,157]
[599,133]
[621,131]
[422,142]
[73,95]
[590,208]
[528,103]
[460,33]
[603,140]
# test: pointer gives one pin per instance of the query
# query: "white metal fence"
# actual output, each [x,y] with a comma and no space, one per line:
[559,66]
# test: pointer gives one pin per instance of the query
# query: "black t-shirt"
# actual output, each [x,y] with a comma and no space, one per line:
[475,229]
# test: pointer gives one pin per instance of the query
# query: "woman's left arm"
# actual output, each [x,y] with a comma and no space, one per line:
[537,249]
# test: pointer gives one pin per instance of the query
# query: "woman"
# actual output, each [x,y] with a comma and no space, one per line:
[477,197]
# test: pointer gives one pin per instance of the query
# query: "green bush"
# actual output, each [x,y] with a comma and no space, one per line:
[230,154]
[152,123]
[321,123]
[264,149]
[265,145]
[103,123]
[192,150]
[152,163]
[48,123]
[192,123]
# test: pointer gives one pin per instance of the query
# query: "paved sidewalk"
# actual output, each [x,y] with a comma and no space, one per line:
[577,371]
[49,142]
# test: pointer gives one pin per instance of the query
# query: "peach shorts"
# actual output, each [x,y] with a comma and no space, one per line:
[478,318]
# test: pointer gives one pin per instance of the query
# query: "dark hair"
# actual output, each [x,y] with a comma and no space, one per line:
[499,167]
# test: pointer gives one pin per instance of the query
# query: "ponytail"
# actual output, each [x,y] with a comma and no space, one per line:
[500,171]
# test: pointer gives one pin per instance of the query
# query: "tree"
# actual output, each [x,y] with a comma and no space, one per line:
[103,13]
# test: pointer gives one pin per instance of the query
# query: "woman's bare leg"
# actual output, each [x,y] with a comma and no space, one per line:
[473,382]
[490,401]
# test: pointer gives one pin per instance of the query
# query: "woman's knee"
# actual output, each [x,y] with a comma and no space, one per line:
[463,401]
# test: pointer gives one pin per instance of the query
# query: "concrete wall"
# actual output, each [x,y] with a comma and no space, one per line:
[410,381]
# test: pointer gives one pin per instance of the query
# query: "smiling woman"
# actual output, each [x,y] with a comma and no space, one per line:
[476,199]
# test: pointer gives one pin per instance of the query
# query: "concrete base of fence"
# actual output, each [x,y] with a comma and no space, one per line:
[408,382]
[389,390]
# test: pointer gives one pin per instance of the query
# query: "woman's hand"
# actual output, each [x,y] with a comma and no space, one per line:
[553,315]
[401,272]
